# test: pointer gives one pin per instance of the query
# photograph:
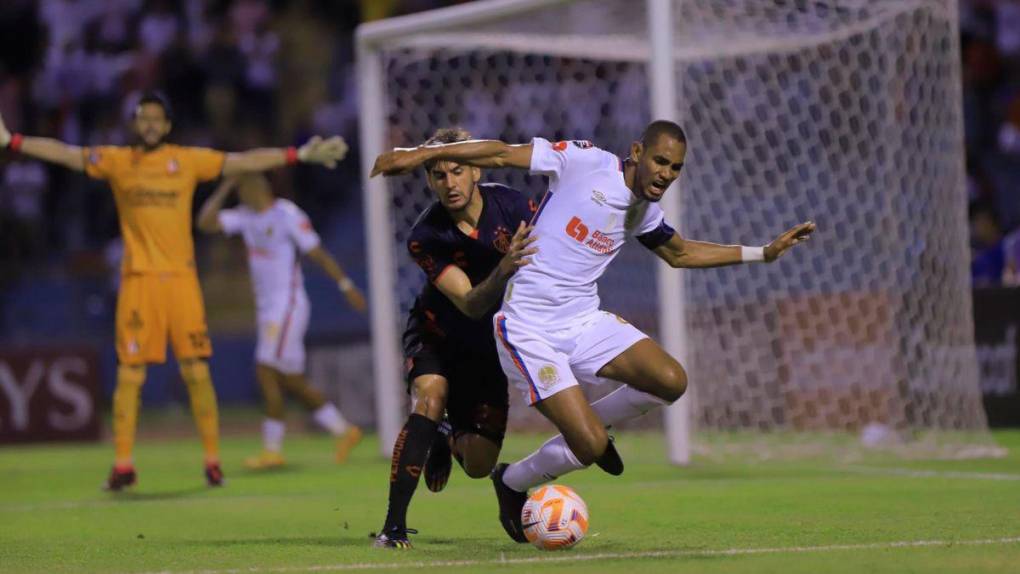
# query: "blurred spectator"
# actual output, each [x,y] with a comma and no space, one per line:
[22,192]
[1011,255]
[159,27]
[988,258]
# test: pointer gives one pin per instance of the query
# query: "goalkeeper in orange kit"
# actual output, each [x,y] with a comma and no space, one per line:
[153,186]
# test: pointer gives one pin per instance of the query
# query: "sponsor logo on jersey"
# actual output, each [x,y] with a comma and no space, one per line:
[561,146]
[597,241]
[598,197]
[135,323]
[142,197]
[577,230]
[172,166]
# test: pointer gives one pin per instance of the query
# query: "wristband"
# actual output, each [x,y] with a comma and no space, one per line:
[15,143]
[752,254]
[292,155]
[345,284]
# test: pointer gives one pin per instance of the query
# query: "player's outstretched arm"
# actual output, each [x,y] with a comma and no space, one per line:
[477,153]
[322,258]
[475,301]
[690,254]
[324,152]
[46,149]
[209,216]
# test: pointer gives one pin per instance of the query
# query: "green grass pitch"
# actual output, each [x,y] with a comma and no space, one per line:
[789,517]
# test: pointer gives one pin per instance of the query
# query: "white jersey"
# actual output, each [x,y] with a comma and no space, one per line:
[274,238]
[581,225]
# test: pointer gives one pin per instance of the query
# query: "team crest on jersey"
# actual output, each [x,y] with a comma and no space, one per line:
[548,376]
[172,166]
[598,197]
[502,240]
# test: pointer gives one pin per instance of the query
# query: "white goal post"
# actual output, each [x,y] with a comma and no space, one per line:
[845,111]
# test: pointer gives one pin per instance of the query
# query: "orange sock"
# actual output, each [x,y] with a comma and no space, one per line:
[203,406]
[125,412]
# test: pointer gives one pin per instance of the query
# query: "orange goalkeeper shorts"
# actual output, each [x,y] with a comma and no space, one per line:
[151,306]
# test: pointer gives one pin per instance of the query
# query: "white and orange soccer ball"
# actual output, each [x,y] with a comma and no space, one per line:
[554,517]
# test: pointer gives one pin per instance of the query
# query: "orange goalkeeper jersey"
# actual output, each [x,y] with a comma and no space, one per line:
[154,191]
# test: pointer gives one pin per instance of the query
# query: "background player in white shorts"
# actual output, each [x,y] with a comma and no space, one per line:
[275,231]
[552,333]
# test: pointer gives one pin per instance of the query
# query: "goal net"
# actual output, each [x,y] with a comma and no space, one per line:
[845,112]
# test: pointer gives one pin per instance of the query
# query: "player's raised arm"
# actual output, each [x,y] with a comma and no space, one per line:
[689,254]
[475,301]
[46,149]
[476,153]
[324,152]
[209,216]
[322,258]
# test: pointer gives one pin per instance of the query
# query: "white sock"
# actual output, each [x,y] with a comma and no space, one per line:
[272,434]
[624,404]
[329,417]
[554,458]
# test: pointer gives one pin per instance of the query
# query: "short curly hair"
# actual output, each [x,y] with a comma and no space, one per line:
[446,136]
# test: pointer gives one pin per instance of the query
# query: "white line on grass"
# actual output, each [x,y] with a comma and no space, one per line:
[604,556]
[122,499]
[918,473]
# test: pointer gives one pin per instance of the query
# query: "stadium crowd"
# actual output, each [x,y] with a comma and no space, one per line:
[72,69]
[990,46]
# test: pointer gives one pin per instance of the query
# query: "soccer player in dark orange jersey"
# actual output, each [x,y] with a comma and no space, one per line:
[153,186]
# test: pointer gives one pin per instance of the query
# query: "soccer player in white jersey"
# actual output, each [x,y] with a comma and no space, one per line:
[551,331]
[275,231]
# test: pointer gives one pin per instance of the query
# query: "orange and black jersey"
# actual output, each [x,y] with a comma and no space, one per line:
[153,191]
[437,245]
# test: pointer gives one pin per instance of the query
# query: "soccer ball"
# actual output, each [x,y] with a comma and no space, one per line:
[554,517]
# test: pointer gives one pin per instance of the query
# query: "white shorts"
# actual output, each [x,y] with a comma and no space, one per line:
[281,339]
[541,362]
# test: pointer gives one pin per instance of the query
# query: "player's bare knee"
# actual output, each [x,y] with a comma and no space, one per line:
[672,382]
[479,453]
[478,466]
[590,446]
[430,397]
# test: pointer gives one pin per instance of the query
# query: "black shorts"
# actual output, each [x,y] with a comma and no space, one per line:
[477,401]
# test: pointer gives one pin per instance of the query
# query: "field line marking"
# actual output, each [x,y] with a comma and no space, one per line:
[117,500]
[603,556]
[921,473]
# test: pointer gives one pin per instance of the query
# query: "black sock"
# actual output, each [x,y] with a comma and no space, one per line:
[409,454]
